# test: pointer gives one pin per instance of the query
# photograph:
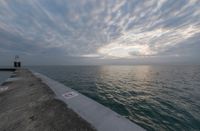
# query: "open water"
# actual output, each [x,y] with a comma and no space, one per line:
[155,97]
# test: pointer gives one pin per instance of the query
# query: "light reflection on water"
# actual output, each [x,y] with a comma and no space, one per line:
[155,97]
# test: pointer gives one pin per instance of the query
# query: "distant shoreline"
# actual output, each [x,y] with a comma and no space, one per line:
[7,69]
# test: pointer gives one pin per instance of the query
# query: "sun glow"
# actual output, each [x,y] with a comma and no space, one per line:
[149,43]
[125,51]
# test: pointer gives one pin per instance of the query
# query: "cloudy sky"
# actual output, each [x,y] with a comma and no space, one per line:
[100,31]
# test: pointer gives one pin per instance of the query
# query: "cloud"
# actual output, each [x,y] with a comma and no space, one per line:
[147,43]
[102,29]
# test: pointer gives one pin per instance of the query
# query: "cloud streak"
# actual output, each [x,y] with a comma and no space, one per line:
[102,29]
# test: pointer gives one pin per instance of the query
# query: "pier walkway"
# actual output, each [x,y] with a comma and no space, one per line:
[27,104]
[30,101]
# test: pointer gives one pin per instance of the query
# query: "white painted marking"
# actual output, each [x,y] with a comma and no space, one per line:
[3,89]
[70,94]
[13,79]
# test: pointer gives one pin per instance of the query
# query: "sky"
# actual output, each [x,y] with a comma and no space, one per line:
[75,32]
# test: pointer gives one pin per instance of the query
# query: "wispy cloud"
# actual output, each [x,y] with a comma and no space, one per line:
[102,29]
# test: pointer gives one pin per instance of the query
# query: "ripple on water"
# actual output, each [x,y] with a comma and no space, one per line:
[155,97]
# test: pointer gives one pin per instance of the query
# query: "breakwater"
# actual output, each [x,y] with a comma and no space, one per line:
[34,101]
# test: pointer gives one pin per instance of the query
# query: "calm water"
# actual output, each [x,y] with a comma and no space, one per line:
[155,97]
[3,76]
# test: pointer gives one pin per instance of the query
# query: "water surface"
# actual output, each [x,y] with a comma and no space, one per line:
[4,75]
[155,97]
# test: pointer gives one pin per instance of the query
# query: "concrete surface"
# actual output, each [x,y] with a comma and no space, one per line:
[27,104]
[101,117]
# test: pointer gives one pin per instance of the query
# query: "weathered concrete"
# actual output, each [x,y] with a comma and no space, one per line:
[27,104]
[101,117]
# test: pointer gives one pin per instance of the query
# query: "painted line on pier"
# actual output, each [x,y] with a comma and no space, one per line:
[13,79]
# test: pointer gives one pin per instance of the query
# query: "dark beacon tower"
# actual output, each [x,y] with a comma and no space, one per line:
[17,63]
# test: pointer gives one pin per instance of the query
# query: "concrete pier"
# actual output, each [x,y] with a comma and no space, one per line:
[27,104]
[32,101]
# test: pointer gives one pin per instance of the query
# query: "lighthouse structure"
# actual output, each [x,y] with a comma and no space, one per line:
[17,63]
